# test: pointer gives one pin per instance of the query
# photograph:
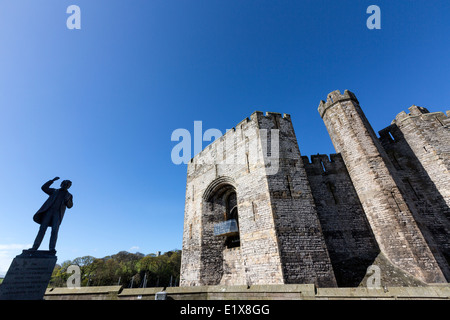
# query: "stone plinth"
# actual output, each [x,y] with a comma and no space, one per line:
[28,276]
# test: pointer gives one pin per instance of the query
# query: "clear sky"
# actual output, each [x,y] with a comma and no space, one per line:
[98,105]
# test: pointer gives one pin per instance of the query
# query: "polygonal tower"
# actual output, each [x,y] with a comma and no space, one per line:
[250,217]
[373,175]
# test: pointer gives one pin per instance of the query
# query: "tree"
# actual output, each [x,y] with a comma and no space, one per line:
[124,268]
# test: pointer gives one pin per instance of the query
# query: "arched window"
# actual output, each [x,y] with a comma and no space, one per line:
[232,241]
[231,206]
[219,229]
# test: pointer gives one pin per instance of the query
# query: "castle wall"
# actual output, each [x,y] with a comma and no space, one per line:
[379,201]
[304,253]
[281,239]
[419,188]
[372,174]
[349,238]
[235,160]
[428,135]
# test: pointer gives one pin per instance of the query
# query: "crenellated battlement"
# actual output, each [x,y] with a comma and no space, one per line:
[324,164]
[239,133]
[390,134]
[270,115]
[416,112]
[334,97]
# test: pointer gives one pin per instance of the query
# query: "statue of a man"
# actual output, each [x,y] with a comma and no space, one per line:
[52,211]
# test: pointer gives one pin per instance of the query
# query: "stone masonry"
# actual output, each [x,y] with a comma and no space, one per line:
[257,212]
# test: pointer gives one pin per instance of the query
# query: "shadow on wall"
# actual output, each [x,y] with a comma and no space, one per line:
[350,241]
[426,203]
[349,238]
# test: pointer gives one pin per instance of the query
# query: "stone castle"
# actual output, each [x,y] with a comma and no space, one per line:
[257,212]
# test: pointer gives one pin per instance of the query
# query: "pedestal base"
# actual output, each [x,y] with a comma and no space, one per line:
[28,276]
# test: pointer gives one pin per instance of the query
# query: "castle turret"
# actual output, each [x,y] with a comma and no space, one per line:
[428,136]
[392,222]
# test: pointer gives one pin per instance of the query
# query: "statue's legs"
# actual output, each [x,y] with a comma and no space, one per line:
[41,234]
[54,234]
[49,218]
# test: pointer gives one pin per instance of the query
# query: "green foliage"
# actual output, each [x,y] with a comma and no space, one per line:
[124,268]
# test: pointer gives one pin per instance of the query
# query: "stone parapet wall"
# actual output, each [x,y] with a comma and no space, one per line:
[257,292]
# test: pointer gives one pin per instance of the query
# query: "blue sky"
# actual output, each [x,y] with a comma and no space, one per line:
[98,105]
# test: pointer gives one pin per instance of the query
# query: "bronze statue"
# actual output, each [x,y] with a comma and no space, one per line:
[52,211]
